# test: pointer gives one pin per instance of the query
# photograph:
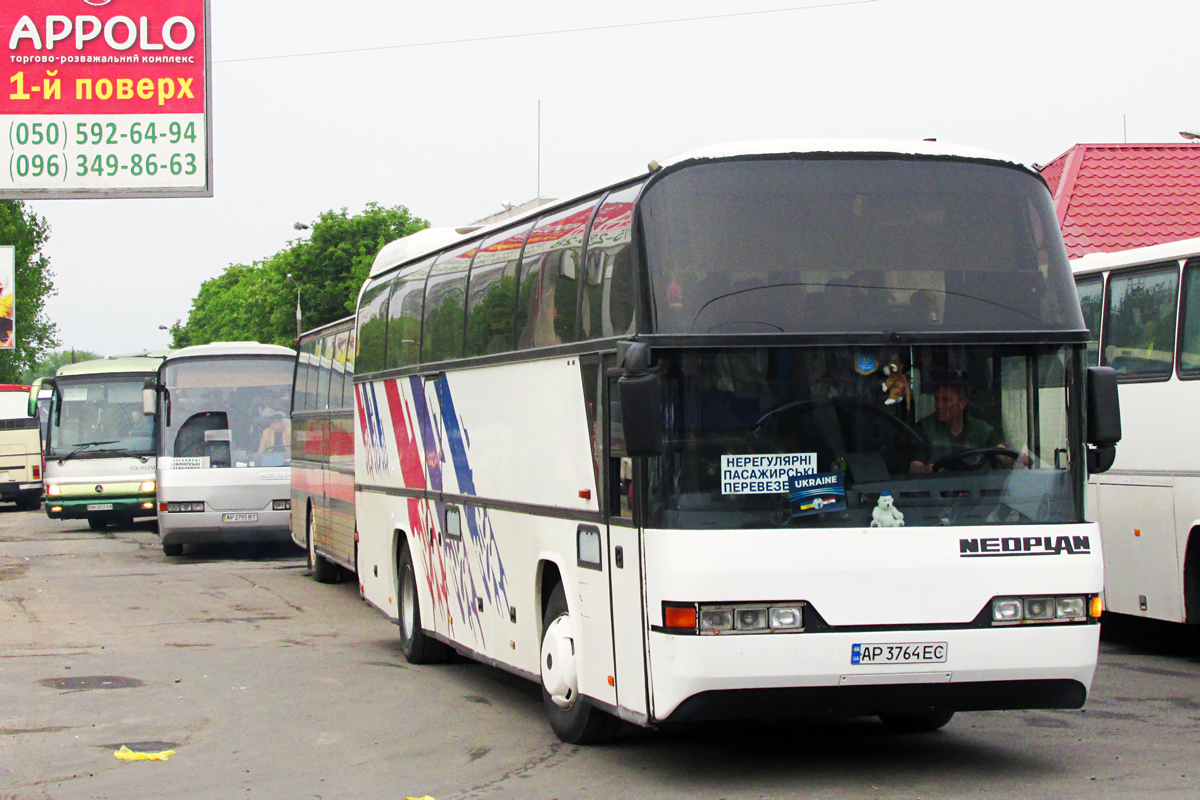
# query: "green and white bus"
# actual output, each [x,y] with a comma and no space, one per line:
[100,445]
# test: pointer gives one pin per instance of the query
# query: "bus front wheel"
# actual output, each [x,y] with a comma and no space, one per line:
[418,647]
[920,722]
[573,718]
[97,523]
[172,550]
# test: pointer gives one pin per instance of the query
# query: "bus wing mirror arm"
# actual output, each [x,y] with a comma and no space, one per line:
[34,388]
[640,393]
[1103,418]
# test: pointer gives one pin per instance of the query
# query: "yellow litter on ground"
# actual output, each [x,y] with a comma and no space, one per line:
[125,754]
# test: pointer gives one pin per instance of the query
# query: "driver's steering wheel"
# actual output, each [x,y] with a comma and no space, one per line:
[975,459]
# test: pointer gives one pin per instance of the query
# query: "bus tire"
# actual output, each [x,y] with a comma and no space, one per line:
[97,523]
[919,722]
[30,502]
[572,717]
[418,647]
[323,570]
[172,550]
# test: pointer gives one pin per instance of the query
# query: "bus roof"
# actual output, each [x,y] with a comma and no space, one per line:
[215,349]
[1095,262]
[113,365]
[344,322]
[430,240]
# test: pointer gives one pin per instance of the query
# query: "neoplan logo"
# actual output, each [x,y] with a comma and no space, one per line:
[1024,546]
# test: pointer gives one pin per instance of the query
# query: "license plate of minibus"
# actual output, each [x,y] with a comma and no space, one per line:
[899,653]
[99,506]
[239,518]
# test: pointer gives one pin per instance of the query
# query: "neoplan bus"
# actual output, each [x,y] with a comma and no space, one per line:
[651,446]
[100,444]
[225,444]
[1142,307]
[323,449]
[20,449]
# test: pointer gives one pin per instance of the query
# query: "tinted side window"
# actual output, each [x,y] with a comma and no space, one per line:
[445,305]
[372,325]
[338,378]
[348,388]
[324,353]
[404,311]
[492,294]
[304,393]
[607,308]
[1189,336]
[1139,338]
[1091,300]
[550,267]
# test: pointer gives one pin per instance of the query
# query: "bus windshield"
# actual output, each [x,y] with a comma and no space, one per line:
[231,412]
[855,245]
[100,417]
[815,437]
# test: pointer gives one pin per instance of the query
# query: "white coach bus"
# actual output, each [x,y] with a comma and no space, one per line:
[1143,309]
[99,442]
[225,444]
[771,428]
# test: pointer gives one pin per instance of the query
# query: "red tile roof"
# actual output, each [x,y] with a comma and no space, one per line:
[1112,197]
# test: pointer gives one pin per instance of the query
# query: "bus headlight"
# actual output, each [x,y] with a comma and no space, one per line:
[716,619]
[751,619]
[1041,609]
[53,490]
[148,486]
[1071,608]
[281,505]
[1007,609]
[786,618]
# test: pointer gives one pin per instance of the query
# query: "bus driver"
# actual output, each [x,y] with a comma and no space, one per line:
[949,429]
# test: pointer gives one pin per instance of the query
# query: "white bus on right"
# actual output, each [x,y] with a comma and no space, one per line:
[1142,307]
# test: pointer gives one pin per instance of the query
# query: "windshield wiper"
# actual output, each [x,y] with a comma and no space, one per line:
[83,446]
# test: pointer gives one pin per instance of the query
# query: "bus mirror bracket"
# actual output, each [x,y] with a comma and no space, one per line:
[640,394]
[149,397]
[1103,418]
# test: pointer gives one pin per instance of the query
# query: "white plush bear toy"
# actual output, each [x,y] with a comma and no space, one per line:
[885,514]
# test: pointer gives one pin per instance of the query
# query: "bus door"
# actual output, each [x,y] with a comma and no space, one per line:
[624,550]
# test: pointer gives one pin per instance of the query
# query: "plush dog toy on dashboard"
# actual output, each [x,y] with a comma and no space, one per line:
[896,383]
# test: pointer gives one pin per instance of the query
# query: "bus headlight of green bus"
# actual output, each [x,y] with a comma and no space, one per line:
[147,486]
[53,490]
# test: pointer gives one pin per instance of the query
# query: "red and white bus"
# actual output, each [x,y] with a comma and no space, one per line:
[323,449]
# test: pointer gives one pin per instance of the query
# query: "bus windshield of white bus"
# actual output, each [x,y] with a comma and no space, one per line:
[812,437]
[99,418]
[227,412]
[855,245]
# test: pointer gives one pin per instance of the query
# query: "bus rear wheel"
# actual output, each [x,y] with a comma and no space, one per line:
[323,570]
[919,722]
[418,647]
[573,719]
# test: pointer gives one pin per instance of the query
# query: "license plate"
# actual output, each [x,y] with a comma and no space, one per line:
[99,506]
[239,518]
[899,653]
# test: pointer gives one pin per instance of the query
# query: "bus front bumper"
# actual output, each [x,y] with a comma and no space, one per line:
[801,674]
[110,505]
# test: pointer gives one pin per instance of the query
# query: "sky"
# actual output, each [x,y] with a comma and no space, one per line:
[442,114]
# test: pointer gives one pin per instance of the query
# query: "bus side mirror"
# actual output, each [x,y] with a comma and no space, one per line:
[1103,418]
[33,396]
[640,394]
[149,397]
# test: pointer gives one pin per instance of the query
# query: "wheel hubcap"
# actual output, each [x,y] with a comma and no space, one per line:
[558,662]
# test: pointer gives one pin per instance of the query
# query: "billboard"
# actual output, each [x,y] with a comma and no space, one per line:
[105,98]
[8,295]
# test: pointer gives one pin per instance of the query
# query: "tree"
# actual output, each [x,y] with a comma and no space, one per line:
[35,333]
[258,303]
[48,366]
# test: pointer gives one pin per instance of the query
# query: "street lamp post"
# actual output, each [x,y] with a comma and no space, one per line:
[293,280]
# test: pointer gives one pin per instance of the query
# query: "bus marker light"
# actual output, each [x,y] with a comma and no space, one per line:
[1137,531]
[162,506]
[679,616]
[611,682]
[56,509]
[1097,607]
[585,494]
[148,504]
